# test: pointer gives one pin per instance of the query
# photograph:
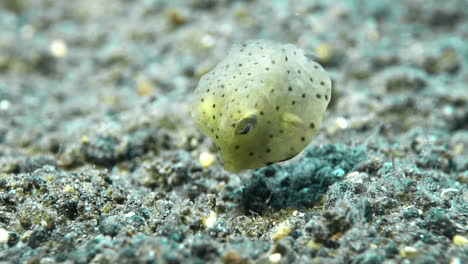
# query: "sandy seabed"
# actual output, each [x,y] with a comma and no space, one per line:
[100,161]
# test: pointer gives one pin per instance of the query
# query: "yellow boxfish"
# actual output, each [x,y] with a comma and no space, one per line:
[262,104]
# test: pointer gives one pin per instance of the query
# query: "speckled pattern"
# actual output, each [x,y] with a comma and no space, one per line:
[100,161]
[262,104]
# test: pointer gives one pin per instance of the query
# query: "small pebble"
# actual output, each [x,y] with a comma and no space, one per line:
[4,105]
[68,188]
[210,220]
[460,240]
[283,231]
[458,149]
[145,87]
[58,48]
[324,51]
[409,252]
[274,258]
[312,244]
[207,159]
[4,235]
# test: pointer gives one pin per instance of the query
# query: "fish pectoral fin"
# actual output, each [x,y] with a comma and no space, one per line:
[291,120]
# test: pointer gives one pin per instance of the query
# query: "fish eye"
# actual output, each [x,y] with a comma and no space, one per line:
[246,129]
[245,125]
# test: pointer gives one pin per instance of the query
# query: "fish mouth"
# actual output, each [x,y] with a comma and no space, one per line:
[230,167]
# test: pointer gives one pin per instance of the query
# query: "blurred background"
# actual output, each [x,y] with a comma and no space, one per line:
[97,148]
[64,61]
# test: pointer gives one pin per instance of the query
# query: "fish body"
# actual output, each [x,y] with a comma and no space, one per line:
[262,104]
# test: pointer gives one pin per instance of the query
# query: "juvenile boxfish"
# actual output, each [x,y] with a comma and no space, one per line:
[262,104]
